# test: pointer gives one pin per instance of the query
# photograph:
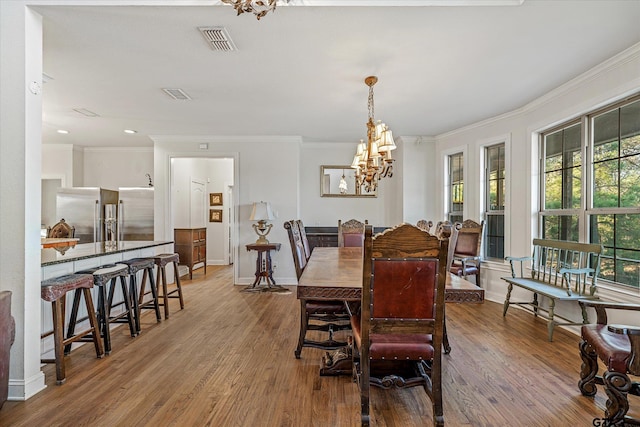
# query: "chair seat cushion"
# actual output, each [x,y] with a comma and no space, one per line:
[613,349]
[325,307]
[395,346]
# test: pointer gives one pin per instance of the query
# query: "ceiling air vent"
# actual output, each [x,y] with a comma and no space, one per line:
[177,94]
[218,38]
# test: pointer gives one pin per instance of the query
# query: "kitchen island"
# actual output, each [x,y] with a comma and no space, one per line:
[56,262]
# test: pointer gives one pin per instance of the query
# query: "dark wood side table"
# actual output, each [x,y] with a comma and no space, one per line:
[264,268]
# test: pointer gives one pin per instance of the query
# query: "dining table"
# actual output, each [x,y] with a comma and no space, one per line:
[335,273]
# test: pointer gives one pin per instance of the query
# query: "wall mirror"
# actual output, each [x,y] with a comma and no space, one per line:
[340,181]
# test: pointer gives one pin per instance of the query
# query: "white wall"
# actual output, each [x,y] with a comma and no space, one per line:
[383,210]
[113,167]
[57,162]
[20,166]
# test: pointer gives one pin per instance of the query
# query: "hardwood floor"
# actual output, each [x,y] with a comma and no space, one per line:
[227,360]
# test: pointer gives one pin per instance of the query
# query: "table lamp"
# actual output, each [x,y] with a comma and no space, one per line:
[262,213]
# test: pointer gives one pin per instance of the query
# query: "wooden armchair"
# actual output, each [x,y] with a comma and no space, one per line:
[398,333]
[61,230]
[351,233]
[329,316]
[618,347]
[466,255]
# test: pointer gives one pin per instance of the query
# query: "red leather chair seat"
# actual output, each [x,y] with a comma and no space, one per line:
[614,349]
[325,307]
[395,347]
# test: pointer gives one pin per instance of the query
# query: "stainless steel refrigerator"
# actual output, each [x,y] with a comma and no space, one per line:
[135,213]
[84,209]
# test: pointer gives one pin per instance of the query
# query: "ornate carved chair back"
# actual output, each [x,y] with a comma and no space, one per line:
[61,230]
[351,233]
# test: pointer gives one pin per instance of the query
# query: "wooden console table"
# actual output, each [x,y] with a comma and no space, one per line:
[264,268]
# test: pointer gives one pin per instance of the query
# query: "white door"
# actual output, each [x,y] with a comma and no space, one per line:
[198,204]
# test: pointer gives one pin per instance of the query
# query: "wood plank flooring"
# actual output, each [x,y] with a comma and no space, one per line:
[227,360]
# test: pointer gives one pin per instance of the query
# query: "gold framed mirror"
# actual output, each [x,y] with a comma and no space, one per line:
[340,181]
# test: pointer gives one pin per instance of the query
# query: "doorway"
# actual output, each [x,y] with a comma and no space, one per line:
[200,197]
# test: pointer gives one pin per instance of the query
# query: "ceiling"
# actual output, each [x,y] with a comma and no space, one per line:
[300,70]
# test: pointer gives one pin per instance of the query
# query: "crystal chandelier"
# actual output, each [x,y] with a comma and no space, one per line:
[257,7]
[373,160]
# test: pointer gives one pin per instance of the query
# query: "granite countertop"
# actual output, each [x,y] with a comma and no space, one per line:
[57,255]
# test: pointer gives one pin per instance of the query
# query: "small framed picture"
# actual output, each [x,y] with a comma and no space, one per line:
[215,215]
[215,199]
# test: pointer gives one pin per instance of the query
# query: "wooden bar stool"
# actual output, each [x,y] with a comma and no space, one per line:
[105,278]
[55,291]
[161,261]
[146,265]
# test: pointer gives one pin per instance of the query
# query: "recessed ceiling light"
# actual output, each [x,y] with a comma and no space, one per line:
[63,131]
[130,131]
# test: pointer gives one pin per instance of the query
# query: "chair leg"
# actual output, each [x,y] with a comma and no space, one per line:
[588,370]
[178,285]
[148,272]
[506,300]
[57,308]
[127,304]
[616,385]
[162,278]
[365,367]
[93,322]
[304,321]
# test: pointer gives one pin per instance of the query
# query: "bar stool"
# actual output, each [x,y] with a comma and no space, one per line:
[161,261]
[55,291]
[146,265]
[104,277]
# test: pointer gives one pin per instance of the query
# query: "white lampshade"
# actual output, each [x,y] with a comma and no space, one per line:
[261,211]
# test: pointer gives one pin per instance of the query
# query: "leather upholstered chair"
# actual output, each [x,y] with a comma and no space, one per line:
[329,316]
[466,255]
[351,233]
[61,230]
[399,331]
[618,347]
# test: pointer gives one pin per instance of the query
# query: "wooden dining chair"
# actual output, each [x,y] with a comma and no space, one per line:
[351,233]
[316,315]
[466,254]
[399,331]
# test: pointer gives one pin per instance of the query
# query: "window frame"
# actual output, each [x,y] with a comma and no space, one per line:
[586,210]
[450,213]
[485,208]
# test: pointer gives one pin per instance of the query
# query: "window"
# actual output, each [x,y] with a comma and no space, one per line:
[605,147]
[495,191]
[456,187]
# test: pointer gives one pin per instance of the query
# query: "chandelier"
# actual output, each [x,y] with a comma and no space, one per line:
[373,160]
[257,7]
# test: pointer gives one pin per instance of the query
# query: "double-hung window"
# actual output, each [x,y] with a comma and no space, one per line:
[591,187]
[456,188]
[494,203]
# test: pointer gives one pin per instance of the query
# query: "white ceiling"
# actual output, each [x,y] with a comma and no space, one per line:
[300,70]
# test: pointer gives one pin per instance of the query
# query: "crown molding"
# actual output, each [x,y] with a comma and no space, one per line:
[628,55]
